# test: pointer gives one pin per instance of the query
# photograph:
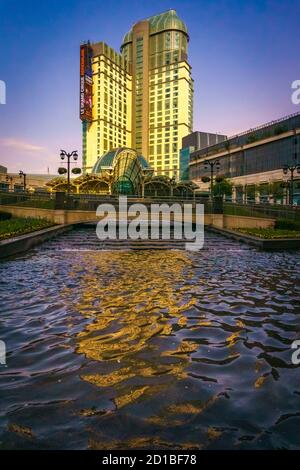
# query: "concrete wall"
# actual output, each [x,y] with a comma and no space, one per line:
[19,211]
[54,216]
[238,221]
[22,243]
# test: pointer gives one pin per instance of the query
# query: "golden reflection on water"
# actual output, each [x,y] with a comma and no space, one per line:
[154,442]
[135,300]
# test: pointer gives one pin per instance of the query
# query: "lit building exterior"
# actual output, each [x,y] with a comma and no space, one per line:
[110,125]
[123,171]
[141,98]
[254,161]
[162,100]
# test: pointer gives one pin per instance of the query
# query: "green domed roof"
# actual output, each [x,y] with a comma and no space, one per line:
[127,38]
[165,21]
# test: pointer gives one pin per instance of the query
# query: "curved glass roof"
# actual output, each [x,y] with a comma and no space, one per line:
[165,21]
[107,160]
[143,162]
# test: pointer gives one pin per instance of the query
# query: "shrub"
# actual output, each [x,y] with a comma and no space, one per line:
[286,224]
[280,130]
[251,138]
[270,233]
[205,179]
[219,179]
[19,226]
[5,215]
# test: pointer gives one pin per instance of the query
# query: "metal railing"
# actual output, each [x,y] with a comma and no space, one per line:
[42,200]
[264,126]
[91,202]
[273,211]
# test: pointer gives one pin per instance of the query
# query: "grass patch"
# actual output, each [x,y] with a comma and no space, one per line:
[270,233]
[19,226]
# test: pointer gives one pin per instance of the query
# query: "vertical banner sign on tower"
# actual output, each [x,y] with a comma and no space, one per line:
[86,82]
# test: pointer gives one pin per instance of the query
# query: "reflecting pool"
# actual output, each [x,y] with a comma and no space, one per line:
[149,349]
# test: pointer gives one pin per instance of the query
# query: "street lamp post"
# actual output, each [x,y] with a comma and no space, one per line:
[23,175]
[291,168]
[63,155]
[10,178]
[172,185]
[212,164]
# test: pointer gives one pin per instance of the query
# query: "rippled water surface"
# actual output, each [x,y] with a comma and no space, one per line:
[149,349]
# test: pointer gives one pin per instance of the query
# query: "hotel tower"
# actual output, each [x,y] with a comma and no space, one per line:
[141,98]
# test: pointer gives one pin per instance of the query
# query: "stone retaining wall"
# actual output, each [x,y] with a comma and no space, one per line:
[22,243]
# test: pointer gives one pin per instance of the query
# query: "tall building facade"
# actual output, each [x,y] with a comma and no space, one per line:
[109,124]
[143,97]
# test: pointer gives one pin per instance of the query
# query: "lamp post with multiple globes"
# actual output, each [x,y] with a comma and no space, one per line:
[63,155]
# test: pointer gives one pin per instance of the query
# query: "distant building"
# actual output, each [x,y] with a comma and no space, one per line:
[254,160]
[141,98]
[13,182]
[192,142]
[200,140]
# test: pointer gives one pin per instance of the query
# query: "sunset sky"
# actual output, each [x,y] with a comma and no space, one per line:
[244,57]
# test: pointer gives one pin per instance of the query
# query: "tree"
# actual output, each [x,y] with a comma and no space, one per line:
[223,188]
[277,190]
[264,189]
[251,190]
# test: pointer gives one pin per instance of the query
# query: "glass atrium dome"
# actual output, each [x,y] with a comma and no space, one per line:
[126,169]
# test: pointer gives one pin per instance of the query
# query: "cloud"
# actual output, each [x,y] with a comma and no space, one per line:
[21,145]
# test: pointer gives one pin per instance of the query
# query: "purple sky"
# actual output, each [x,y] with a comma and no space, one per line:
[244,57]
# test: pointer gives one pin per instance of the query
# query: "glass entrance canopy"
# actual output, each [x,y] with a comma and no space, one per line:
[126,169]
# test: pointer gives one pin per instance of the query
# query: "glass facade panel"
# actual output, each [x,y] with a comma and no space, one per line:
[253,157]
